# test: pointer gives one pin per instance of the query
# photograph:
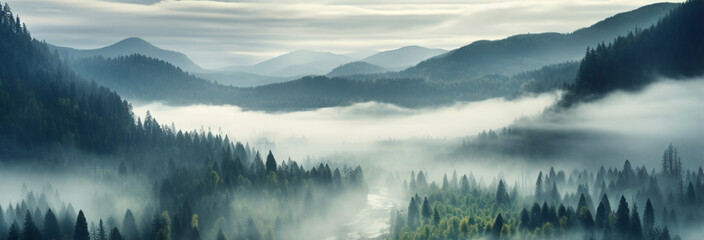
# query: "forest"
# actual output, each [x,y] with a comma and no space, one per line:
[56,123]
[77,161]
[574,205]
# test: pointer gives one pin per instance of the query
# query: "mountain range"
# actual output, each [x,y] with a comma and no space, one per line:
[129,46]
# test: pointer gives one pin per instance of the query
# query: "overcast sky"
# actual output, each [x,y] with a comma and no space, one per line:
[226,32]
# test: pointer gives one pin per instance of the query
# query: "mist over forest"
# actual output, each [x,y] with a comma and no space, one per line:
[590,134]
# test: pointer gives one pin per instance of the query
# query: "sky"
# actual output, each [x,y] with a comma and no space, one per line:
[223,33]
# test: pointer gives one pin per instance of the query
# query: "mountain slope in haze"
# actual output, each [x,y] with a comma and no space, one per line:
[403,57]
[357,67]
[296,63]
[530,51]
[130,46]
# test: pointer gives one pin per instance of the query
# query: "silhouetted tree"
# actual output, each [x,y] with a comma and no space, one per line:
[81,228]
[14,233]
[270,162]
[636,228]
[129,226]
[426,210]
[51,226]
[115,234]
[497,226]
[623,221]
[648,218]
[30,231]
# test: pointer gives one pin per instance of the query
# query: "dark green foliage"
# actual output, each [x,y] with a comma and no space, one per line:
[413,214]
[14,233]
[623,221]
[51,226]
[525,219]
[30,230]
[270,163]
[672,48]
[648,218]
[102,235]
[81,230]
[115,234]
[636,227]
[497,226]
[426,211]
[501,194]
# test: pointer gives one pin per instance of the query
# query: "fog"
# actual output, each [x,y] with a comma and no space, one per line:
[328,130]
[630,125]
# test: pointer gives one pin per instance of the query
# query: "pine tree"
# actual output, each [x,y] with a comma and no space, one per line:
[115,234]
[623,221]
[582,203]
[30,231]
[497,226]
[413,214]
[101,231]
[539,187]
[81,229]
[636,228]
[426,211]
[270,162]
[525,219]
[648,218]
[51,226]
[14,233]
[501,193]
[3,225]
[129,226]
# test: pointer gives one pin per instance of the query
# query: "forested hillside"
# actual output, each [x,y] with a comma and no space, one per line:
[674,48]
[54,123]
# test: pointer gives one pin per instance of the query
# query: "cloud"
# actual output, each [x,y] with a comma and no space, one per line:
[208,30]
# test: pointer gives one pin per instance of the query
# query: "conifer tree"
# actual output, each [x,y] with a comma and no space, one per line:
[30,231]
[426,211]
[623,221]
[51,226]
[497,226]
[14,233]
[501,193]
[81,228]
[648,218]
[115,234]
[636,227]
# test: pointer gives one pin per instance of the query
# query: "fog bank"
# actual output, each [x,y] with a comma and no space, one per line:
[334,129]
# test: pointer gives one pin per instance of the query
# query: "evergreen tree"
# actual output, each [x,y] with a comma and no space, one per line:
[252,232]
[436,216]
[525,219]
[270,162]
[501,193]
[497,226]
[582,203]
[426,210]
[129,226]
[636,228]
[623,221]
[602,217]
[535,216]
[539,187]
[648,218]
[51,226]
[102,235]
[115,234]
[30,231]
[14,233]
[81,229]
[413,214]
